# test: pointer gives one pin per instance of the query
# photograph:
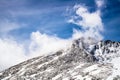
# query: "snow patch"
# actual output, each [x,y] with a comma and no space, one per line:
[116,68]
[91,68]
[56,77]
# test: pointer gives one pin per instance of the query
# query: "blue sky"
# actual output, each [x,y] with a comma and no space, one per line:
[50,17]
[30,28]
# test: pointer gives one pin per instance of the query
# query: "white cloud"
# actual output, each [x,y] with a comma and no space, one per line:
[11,53]
[99,3]
[90,22]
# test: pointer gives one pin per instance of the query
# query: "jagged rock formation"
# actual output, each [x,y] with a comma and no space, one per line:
[84,60]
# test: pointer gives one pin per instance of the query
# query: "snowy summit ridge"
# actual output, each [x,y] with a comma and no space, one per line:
[86,59]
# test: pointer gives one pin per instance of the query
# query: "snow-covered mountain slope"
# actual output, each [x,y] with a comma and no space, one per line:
[86,59]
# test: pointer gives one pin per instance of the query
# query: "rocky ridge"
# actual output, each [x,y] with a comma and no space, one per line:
[84,60]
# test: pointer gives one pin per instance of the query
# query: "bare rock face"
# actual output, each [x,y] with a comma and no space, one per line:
[80,62]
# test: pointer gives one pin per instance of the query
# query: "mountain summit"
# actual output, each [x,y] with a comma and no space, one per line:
[85,59]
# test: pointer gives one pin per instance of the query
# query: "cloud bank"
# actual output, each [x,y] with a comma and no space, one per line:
[42,44]
[12,52]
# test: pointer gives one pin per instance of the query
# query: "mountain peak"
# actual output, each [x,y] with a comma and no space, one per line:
[86,59]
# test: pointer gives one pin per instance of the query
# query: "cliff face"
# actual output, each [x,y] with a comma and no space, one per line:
[84,60]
